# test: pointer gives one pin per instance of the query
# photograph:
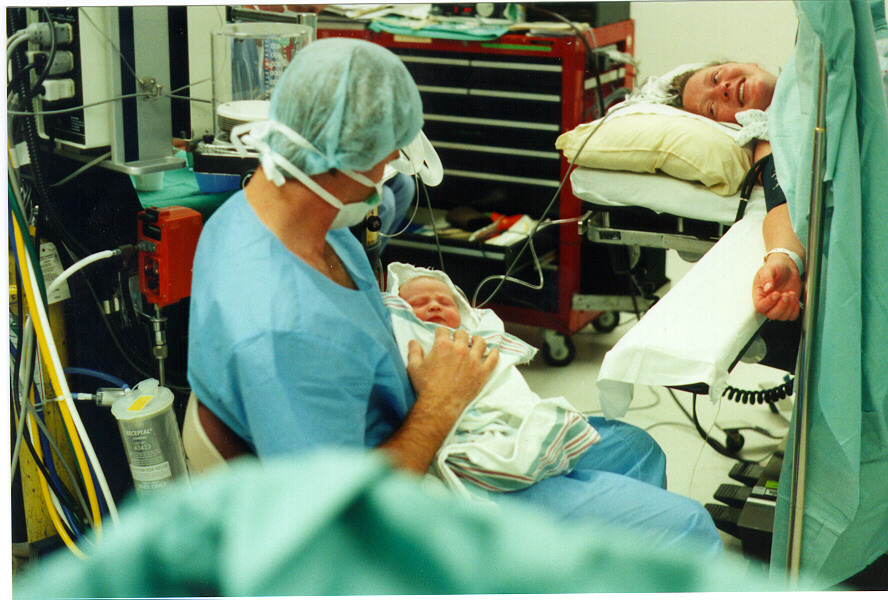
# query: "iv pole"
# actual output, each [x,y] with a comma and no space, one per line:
[812,284]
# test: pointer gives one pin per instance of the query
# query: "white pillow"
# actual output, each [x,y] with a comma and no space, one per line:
[664,139]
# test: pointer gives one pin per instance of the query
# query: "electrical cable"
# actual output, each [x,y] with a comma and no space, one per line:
[706,439]
[14,183]
[768,396]
[81,170]
[28,247]
[434,227]
[15,21]
[75,529]
[27,350]
[589,50]
[187,98]
[14,81]
[52,53]
[548,208]
[56,521]
[61,111]
[28,409]
[712,443]
[100,31]
[412,216]
[68,410]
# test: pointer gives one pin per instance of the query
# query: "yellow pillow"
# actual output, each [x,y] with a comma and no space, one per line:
[680,146]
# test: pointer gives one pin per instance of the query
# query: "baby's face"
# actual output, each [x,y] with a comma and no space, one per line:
[431,301]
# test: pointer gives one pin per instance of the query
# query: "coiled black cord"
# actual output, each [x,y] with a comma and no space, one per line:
[769,396]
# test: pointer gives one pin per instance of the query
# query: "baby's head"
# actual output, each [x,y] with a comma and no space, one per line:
[431,300]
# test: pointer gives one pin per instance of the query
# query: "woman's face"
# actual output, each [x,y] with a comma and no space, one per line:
[721,91]
[431,301]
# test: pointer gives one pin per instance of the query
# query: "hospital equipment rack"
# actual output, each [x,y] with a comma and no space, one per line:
[493,110]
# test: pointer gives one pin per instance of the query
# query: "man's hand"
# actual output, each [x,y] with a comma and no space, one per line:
[453,372]
[446,380]
[776,288]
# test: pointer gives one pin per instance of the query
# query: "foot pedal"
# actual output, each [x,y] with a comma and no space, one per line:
[732,495]
[725,518]
[747,474]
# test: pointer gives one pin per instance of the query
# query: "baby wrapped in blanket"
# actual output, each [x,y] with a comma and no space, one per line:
[508,438]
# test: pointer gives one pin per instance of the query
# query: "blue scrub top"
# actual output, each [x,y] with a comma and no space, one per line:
[284,356]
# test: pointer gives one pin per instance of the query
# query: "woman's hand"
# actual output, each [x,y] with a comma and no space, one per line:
[777,288]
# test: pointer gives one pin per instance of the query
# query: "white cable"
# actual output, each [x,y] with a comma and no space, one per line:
[58,281]
[704,444]
[15,36]
[35,440]
[62,111]
[88,165]
[66,392]
[14,42]
[503,278]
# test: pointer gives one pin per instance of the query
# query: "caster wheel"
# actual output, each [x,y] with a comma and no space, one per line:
[558,350]
[606,322]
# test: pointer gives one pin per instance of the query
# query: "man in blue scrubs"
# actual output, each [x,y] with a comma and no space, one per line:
[290,345]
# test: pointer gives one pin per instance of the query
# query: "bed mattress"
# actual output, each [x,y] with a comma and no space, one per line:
[660,193]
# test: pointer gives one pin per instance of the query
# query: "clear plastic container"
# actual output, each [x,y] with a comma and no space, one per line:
[151,436]
[248,60]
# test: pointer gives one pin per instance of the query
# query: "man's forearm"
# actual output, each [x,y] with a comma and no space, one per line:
[414,445]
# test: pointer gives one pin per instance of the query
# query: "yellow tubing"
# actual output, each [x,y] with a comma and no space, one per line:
[50,507]
[42,333]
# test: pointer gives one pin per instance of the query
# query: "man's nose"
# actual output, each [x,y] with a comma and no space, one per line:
[725,88]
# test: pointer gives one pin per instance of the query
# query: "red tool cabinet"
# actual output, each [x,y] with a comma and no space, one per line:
[493,111]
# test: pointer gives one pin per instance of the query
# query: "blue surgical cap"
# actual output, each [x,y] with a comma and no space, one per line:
[353,100]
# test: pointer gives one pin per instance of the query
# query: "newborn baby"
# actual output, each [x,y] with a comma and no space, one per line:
[508,438]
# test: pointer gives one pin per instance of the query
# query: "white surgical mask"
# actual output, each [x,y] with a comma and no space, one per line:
[254,134]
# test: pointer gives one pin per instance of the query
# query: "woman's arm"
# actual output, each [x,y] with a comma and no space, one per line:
[776,288]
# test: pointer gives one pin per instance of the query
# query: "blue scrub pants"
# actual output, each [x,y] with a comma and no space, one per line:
[621,482]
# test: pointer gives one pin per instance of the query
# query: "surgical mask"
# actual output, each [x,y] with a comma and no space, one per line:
[254,134]
[350,215]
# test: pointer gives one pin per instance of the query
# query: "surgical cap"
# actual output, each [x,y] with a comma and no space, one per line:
[353,100]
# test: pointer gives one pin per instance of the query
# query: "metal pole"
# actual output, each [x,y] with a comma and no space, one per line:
[812,282]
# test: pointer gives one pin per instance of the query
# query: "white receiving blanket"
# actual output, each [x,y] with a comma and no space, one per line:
[695,333]
[508,438]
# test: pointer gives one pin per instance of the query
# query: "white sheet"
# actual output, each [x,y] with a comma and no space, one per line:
[697,330]
[660,193]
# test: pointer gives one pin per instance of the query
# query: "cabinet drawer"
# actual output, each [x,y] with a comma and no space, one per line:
[466,129]
[482,104]
[527,164]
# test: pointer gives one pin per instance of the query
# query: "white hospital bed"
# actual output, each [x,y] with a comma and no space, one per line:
[690,218]
[698,331]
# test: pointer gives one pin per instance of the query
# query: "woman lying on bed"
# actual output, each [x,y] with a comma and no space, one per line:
[720,91]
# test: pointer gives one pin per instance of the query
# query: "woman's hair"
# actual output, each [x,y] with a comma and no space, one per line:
[677,86]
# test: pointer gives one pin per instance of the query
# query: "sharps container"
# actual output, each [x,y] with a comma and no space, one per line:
[150,436]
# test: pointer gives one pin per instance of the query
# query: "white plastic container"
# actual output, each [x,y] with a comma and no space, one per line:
[150,436]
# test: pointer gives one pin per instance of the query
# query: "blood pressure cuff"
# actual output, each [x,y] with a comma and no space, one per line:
[773,194]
